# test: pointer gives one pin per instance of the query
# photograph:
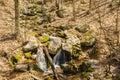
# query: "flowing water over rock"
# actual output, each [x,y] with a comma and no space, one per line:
[59,58]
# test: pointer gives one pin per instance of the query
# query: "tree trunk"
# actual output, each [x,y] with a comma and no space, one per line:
[17,31]
[73,5]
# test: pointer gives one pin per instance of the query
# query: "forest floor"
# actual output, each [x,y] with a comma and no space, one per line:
[9,46]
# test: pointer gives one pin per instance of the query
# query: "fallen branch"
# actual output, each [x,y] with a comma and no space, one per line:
[51,63]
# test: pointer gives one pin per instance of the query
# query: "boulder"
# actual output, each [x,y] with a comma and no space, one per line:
[54,44]
[32,44]
[82,27]
[72,40]
[89,39]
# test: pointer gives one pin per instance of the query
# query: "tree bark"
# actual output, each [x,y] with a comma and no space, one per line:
[17,31]
[73,5]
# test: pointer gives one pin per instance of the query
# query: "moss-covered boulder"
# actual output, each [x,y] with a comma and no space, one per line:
[60,13]
[82,27]
[89,39]
[15,59]
[68,45]
[76,50]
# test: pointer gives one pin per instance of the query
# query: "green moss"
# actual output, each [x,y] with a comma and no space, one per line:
[44,39]
[85,75]
[28,55]
[34,34]
[89,38]
[76,50]
[108,76]
[15,59]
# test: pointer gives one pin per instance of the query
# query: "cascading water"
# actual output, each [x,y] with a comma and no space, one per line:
[59,58]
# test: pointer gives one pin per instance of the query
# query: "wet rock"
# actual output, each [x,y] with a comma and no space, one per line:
[72,40]
[54,44]
[89,39]
[32,44]
[60,58]
[82,27]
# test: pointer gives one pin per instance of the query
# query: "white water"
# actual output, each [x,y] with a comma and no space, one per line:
[59,58]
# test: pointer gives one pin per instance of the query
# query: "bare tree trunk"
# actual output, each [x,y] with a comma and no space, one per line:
[73,5]
[57,4]
[90,2]
[17,30]
[117,21]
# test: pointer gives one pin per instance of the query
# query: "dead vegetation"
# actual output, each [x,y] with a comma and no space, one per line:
[53,17]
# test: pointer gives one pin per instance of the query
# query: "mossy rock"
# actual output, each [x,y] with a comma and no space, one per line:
[44,38]
[15,59]
[32,10]
[89,39]
[82,27]
[62,35]
[76,50]
[60,13]
[28,55]
[86,67]
[108,76]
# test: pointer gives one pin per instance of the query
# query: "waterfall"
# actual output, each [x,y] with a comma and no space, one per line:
[59,58]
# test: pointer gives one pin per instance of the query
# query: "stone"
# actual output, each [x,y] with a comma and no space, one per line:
[82,27]
[54,44]
[60,13]
[41,59]
[89,39]
[72,40]
[32,44]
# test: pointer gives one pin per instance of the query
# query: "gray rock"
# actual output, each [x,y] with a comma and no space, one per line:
[89,39]
[54,44]
[41,59]
[82,27]
[72,40]
[32,44]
